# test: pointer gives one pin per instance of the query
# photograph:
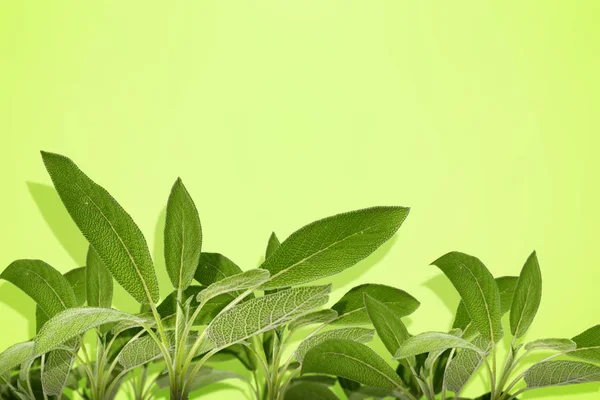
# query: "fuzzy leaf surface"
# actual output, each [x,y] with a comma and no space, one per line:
[264,313]
[360,335]
[56,371]
[433,341]
[464,365]
[557,344]
[99,281]
[561,373]
[315,317]
[44,284]
[183,237]
[328,246]
[527,297]
[234,283]
[75,321]
[15,355]
[387,323]
[106,225]
[478,291]
[351,360]
[351,307]
[76,278]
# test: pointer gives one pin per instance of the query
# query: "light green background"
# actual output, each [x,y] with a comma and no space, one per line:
[482,116]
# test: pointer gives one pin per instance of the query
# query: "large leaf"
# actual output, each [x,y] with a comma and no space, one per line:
[302,390]
[526,299]
[351,360]
[315,317]
[48,287]
[351,307]
[330,245]
[264,313]
[387,323]
[213,267]
[99,281]
[464,365]
[16,355]
[506,287]
[273,245]
[76,278]
[561,373]
[588,345]
[478,290]
[109,229]
[142,350]
[556,344]
[73,322]
[183,237]
[360,335]
[234,283]
[433,341]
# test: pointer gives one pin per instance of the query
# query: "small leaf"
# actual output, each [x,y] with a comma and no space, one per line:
[506,287]
[464,365]
[213,267]
[478,290]
[351,307]
[56,371]
[15,355]
[183,237]
[48,287]
[315,317]
[110,230]
[588,345]
[264,313]
[168,306]
[561,373]
[331,245]
[303,390]
[433,341]
[351,360]
[272,246]
[234,283]
[526,299]
[359,335]
[76,278]
[551,344]
[387,323]
[75,321]
[99,281]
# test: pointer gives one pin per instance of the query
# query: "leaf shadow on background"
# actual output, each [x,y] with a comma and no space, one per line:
[443,289]
[14,298]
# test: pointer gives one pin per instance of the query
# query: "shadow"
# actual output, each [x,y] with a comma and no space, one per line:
[16,299]
[443,289]
[58,219]
[158,255]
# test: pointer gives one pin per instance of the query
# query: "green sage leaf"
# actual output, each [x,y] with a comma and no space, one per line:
[351,360]
[76,278]
[351,307]
[44,284]
[330,245]
[234,283]
[526,299]
[561,373]
[303,390]
[99,281]
[315,317]
[272,245]
[360,335]
[433,341]
[478,290]
[183,237]
[464,365]
[264,313]
[387,323]
[110,230]
[73,322]
[15,355]
[588,345]
[213,267]
[56,371]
